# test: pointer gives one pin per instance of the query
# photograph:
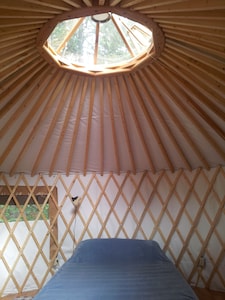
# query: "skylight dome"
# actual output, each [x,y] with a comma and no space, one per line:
[100,43]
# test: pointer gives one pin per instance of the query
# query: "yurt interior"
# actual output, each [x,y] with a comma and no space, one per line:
[112,126]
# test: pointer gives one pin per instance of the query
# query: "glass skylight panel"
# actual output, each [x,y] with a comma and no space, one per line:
[99,41]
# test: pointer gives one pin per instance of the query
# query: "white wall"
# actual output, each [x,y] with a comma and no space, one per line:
[14,259]
[183,211]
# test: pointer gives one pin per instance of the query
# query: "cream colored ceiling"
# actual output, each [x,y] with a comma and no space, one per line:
[168,114]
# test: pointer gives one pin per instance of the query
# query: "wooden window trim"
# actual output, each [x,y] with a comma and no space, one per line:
[52,200]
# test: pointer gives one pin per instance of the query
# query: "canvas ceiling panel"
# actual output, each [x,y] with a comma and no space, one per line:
[160,134]
[94,151]
[52,125]
[111,160]
[78,153]
[134,137]
[201,103]
[202,73]
[123,144]
[34,124]
[181,126]
[20,117]
[157,134]
[24,163]
[190,151]
[69,148]
[203,132]
[33,161]
[148,154]
[94,138]
[59,137]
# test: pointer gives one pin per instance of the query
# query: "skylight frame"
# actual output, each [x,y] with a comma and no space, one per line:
[110,69]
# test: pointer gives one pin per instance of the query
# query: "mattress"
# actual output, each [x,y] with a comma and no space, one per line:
[117,269]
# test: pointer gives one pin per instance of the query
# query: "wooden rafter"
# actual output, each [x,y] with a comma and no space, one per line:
[96,43]
[125,128]
[65,123]
[88,133]
[156,111]
[180,126]
[42,72]
[182,6]
[66,83]
[141,134]
[115,143]
[202,129]
[118,27]
[36,126]
[69,35]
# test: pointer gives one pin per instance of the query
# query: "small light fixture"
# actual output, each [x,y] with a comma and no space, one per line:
[101,18]
[76,201]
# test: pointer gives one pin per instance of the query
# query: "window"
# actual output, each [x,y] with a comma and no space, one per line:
[23,206]
[28,211]
[29,236]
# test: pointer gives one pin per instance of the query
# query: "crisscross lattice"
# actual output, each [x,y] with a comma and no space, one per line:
[183,211]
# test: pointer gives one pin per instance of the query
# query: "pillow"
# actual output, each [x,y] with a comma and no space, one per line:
[118,251]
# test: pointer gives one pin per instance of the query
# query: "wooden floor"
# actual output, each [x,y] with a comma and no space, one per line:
[203,294]
[12,297]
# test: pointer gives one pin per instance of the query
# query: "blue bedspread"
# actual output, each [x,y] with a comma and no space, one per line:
[109,269]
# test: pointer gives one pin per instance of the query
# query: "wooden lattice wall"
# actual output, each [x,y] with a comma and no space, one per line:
[184,211]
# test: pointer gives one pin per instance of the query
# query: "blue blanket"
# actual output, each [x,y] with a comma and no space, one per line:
[117,269]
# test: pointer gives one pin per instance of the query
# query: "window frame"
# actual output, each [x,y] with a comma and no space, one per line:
[12,192]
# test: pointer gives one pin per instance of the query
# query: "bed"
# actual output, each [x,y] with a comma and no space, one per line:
[109,269]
